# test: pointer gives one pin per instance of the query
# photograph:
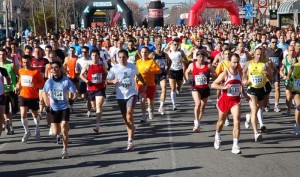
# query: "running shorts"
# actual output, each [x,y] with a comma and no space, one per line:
[32,104]
[150,91]
[177,75]
[224,104]
[127,103]
[258,92]
[60,115]
[204,92]
[92,94]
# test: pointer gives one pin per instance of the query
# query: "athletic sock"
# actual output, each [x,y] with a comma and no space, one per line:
[217,136]
[173,98]
[37,124]
[25,124]
[235,141]
[98,119]
[260,117]
[161,104]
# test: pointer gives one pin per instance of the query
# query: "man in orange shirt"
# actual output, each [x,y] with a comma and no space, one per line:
[148,68]
[30,80]
[70,65]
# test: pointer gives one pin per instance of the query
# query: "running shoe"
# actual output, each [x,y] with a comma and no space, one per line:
[161,110]
[40,115]
[217,144]
[96,130]
[37,136]
[236,149]
[267,108]
[64,154]
[276,108]
[177,92]
[247,122]
[227,123]
[58,139]
[130,146]
[263,129]
[184,82]
[196,129]
[9,131]
[296,129]
[88,114]
[151,114]
[174,108]
[258,137]
[144,119]
[26,137]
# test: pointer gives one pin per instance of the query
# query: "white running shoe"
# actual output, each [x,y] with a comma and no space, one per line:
[64,154]
[258,137]
[161,110]
[276,108]
[88,113]
[177,92]
[130,146]
[174,108]
[26,137]
[236,149]
[217,144]
[150,114]
[227,123]
[247,122]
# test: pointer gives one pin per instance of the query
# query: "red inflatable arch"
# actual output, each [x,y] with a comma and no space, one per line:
[200,5]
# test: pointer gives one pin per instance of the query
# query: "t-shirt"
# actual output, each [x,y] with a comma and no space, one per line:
[80,63]
[223,65]
[126,86]
[30,81]
[58,94]
[153,69]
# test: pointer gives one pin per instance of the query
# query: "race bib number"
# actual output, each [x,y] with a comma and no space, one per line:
[297,84]
[176,65]
[275,60]
[161,63]
[57,95]
[200,79]
[26,81]
[257,81]
[96,78]
[234,90]
[126,82]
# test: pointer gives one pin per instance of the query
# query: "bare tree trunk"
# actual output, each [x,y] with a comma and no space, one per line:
[32,9]
[46,27]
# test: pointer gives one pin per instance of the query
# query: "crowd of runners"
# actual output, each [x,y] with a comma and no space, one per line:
[47,74]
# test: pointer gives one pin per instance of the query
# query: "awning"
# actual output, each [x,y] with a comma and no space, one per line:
[288,6]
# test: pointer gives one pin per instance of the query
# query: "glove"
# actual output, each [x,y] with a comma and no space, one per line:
[191,82]
[89,83]
[47,109]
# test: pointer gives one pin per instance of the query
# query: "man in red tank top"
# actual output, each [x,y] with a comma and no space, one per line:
[230,82]
[95,80]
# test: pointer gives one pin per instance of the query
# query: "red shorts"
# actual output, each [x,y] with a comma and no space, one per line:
[225,104]
[150,91]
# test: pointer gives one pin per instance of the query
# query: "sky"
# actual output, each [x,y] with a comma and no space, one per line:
[142,2]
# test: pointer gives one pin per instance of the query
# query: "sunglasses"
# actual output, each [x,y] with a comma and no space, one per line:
[83,51]
[273,42]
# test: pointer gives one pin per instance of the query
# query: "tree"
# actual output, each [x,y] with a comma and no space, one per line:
[136,11]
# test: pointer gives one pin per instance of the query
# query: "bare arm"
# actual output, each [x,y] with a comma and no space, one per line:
[217,83]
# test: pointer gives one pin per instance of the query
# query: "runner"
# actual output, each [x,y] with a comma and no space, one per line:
[177,57]
[287,62]
[255,75]
[163,61]
[148,68]
[95,80]
[230,82]
[3,75]
[201,72]
[122,75]
[56,89]
[11,98]
[29,83]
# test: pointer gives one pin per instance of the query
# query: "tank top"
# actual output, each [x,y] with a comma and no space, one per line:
[40,64]
[243,60]
[234,91]
[175,57]
[96,76]
[201,75]
[287,66]
[132,54]
[12,75]
[71,65]
[256,76]
[296,78]
[161,61]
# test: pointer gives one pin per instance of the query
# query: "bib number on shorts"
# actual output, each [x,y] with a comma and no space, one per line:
[26,81]
[297,84]
[257,81]
[96,78]
[234,90]
[200,79]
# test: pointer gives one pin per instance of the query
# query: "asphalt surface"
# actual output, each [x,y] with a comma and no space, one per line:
[165,146]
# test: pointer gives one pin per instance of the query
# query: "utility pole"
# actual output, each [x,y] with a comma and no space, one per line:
[6,18]
[56,20]
[74,12]
[33,18]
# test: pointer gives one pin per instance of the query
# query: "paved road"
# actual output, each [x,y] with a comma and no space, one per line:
[165,147]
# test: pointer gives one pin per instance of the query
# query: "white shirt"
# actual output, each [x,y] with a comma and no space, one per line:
[126,86]
[80,63]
